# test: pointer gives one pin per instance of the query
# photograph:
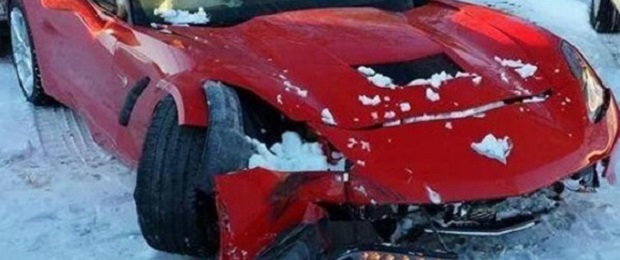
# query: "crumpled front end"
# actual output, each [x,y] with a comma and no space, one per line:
[418,164]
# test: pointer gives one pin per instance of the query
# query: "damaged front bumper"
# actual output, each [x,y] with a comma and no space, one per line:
[323,215]
[260,211]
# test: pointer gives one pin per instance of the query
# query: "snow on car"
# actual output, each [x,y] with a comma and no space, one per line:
[192,96]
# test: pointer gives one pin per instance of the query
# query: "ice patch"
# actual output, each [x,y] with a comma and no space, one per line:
[180,17]
[432,95]
[368,101]
[291,155]
[327,117]
[494,148]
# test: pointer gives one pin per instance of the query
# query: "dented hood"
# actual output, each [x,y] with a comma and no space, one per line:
[305,62]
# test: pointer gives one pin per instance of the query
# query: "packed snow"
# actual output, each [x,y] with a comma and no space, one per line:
[58,203]
[292,155]
[494,148]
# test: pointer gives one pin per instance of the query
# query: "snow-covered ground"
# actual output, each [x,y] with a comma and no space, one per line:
[61,197]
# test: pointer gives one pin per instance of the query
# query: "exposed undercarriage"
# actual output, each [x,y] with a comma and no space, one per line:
[404,231]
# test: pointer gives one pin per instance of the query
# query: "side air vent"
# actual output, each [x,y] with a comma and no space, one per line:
[402,73]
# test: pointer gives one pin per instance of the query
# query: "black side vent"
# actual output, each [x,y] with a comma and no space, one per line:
[402,73]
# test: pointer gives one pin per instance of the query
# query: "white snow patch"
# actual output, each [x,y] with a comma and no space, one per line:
[366,71]
[376,79]
[494,148]
[432,95]
[364,145]
[448,125]
[436,80]
[477,80]
[504,77]
[291,155]
[382,81]
[181,17]
[368,101]
[405,107]
[288,86]
[327,117]
[375,115]
[389,115]
[279,98]
[525,70]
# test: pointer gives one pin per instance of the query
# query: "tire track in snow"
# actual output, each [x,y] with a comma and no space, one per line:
[65,136]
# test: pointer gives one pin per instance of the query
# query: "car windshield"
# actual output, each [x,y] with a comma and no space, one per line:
[229,12]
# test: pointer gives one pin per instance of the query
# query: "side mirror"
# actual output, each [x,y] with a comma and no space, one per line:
[79,7]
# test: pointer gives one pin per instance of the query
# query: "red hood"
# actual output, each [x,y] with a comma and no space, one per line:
[318,51]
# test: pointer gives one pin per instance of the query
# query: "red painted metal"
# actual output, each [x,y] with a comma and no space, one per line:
[90,60]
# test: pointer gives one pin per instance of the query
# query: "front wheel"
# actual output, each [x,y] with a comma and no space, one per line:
[174,189]
[604,16]
[24,56]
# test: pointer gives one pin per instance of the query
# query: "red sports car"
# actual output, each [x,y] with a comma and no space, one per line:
[322,129]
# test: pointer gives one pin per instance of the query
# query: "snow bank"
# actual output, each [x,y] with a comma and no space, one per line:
[494,148]
[292,155]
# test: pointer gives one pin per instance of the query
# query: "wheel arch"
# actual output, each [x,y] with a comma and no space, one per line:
[190,97]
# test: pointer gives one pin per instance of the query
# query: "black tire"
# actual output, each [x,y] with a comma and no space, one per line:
[605,18]
[5,43]
[38,96]
[174,189]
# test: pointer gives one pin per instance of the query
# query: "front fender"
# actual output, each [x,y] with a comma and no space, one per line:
[189,96]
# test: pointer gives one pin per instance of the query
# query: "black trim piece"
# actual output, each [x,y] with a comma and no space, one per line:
[130,100]
[605,107]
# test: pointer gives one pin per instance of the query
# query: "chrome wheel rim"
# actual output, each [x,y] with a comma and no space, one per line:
[22,51]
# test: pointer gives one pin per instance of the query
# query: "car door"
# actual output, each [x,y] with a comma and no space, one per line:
[76,54]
